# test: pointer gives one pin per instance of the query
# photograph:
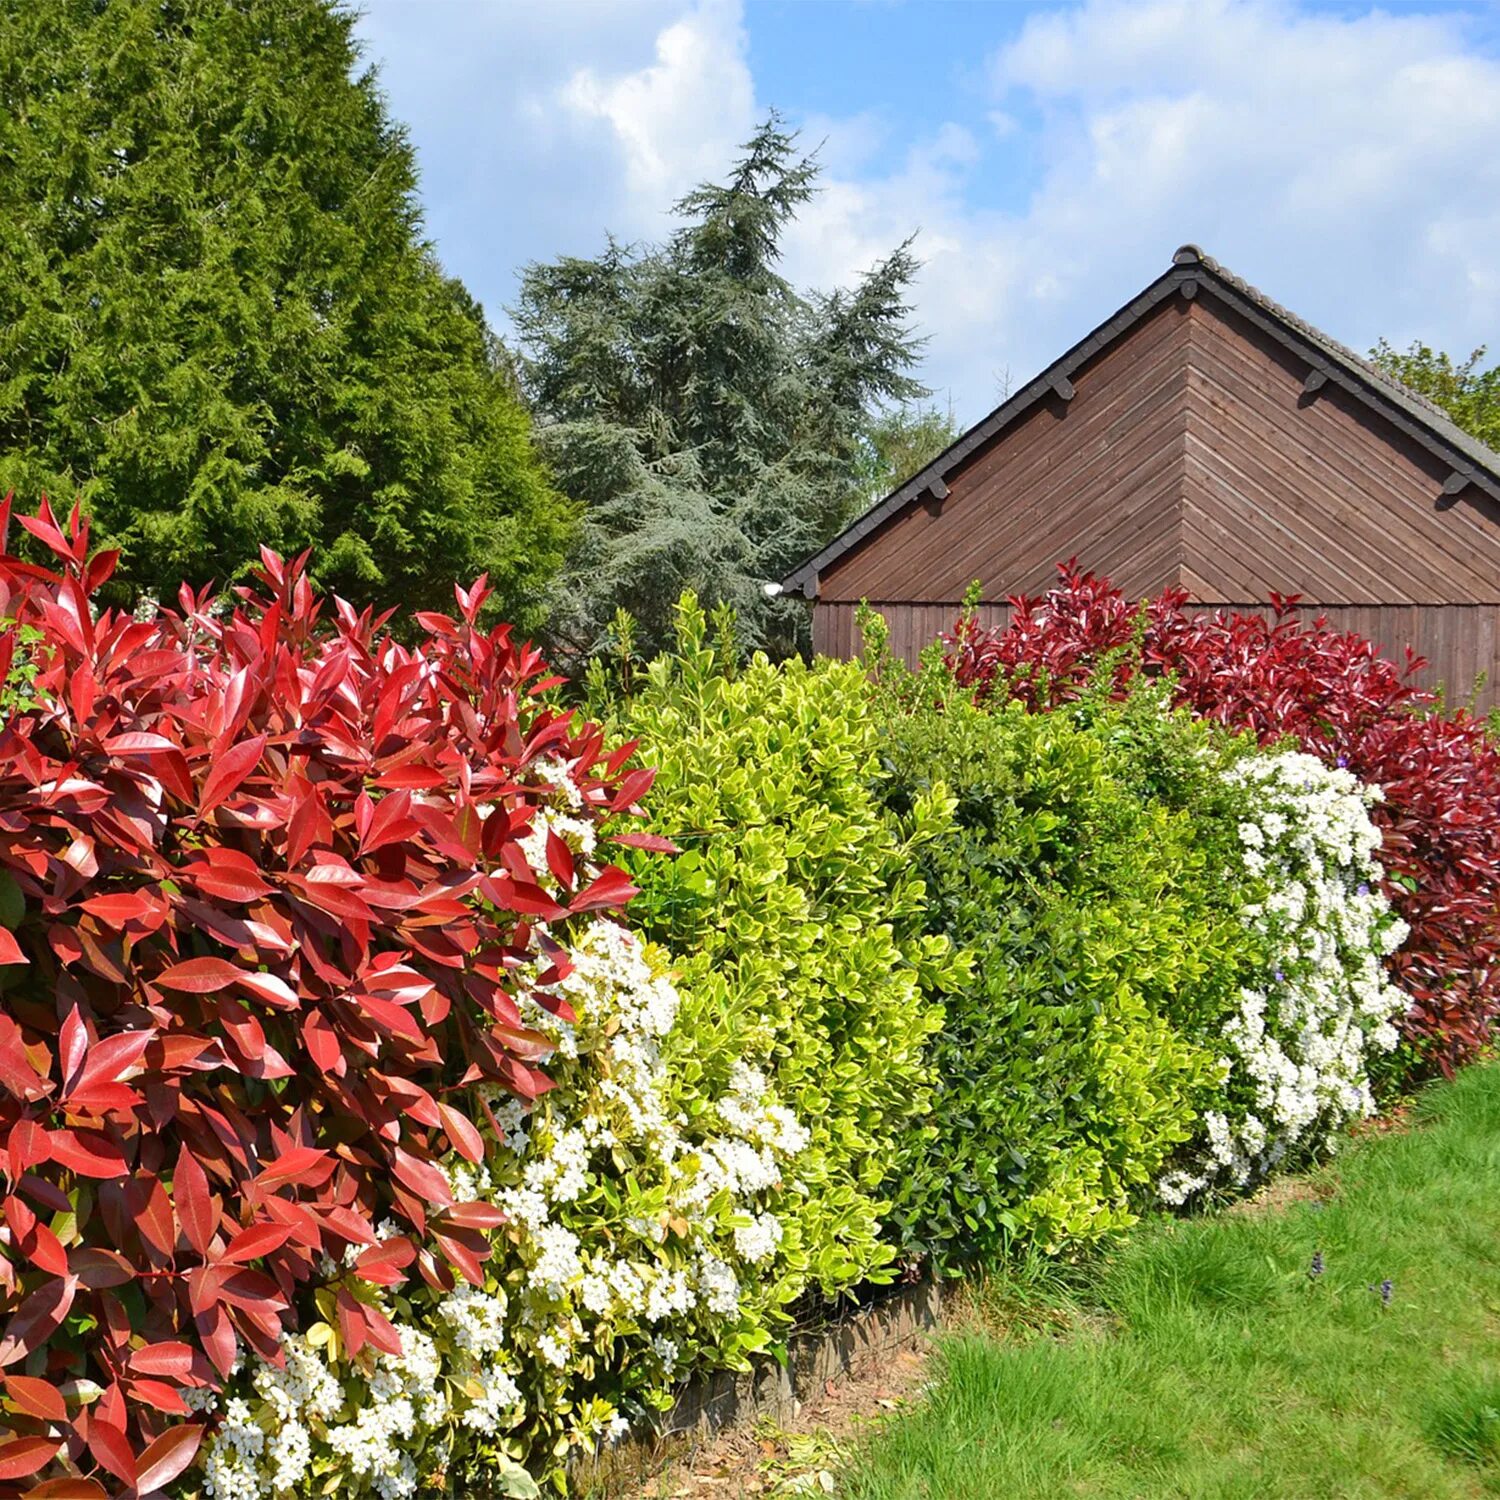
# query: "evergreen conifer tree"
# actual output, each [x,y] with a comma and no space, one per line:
[710,418]
[219,324]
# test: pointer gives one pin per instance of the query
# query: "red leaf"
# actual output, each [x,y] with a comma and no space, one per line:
[190,1197]
[28,1145]
[99,1269]
[230,769]
[275,992]
[383,1263]
[322,1042]
[166,1457]
[200,976]
[352,1323]
[69,1487]
[421,1177]
[37,1398]
[652,841]
[560,860]
[36,1319]
[43,1249]
[170,1358]
[612,888]
[217,1336]
[159,1394]
[87,1153]
[257,1240]
[466,1139]
[118,908]
[114,1058]
[474,1216]
[381,1332]
[72,1047]
[10,950]
[302,1165]
[460,1255]
[23,1456]
[227,885]
[109,1445]
[521,896]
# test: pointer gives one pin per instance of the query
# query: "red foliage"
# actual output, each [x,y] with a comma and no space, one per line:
[262,895]
[1342,701]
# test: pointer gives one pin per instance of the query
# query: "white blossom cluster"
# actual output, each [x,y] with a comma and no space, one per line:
[631,1236]
[360,1425]
[683,1261]
[1295,1067]
[565,815]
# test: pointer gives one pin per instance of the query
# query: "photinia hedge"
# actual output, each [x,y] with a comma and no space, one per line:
[263,898]
[1341,700]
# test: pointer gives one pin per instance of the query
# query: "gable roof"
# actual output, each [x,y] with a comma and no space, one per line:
[1191,273]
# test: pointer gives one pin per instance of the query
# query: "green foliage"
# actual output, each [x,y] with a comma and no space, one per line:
[19,678]
[711,418]
[899,443]
[218,321]
[797,913]
[1085,878]
[1469,395]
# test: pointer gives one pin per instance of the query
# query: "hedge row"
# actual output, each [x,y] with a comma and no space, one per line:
[382,1112]
[1333,694]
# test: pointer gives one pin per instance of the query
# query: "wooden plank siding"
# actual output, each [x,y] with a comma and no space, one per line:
[1191,453]
[1102,470]
[1461,641]
[1307,494]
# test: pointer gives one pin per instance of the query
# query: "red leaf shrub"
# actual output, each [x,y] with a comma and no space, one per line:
[1341,700]
[261,892]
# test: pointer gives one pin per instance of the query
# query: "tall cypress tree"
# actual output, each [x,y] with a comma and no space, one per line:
[219,324]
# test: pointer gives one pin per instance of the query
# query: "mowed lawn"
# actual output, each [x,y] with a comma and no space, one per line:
[1204,1361]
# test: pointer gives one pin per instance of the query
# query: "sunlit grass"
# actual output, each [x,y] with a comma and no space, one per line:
[1204,1360]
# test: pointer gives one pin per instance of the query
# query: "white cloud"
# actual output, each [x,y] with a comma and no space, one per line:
[1345,163]
[677,120]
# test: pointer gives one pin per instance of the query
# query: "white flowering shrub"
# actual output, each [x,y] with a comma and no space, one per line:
[1294,1065]
[638,1245]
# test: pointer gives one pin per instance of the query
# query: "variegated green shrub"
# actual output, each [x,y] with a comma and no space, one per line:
[799,923]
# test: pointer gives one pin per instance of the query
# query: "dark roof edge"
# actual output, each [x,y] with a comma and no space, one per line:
[1469,458]
[1008,410]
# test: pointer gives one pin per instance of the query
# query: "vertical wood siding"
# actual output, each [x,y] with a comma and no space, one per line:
[1460,641]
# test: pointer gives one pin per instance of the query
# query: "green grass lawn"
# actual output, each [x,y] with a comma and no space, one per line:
[1203,1360]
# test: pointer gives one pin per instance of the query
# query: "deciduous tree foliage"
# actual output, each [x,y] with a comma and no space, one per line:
[261,898]
[219,324]
[1339,699]
[709,416]
[900,442]
[1470,396]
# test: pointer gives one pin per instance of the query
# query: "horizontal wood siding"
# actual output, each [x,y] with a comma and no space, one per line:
[1459,640]
[1098,477]
[1315,494]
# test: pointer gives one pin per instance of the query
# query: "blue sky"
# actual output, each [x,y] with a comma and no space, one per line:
[1050,156]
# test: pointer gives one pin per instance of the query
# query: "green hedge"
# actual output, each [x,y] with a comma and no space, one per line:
[798,920]
[1086,878]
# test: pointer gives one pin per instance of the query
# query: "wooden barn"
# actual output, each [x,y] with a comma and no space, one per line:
[1204,437]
